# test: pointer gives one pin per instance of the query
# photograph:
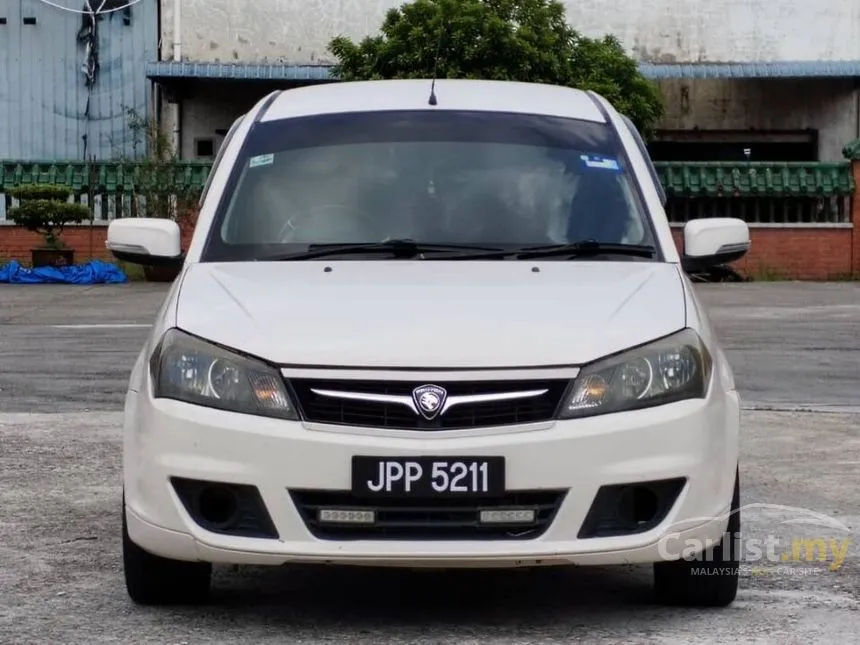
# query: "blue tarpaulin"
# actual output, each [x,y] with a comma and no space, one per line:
[94,272]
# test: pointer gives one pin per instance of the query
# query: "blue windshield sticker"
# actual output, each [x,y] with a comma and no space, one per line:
[262,160]
[595,161]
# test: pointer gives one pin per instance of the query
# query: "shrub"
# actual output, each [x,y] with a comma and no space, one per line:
[44,209]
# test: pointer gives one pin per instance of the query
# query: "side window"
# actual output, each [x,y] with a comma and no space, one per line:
[218,158]
[639,142]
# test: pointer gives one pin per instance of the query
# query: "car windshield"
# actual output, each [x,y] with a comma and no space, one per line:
[486,179]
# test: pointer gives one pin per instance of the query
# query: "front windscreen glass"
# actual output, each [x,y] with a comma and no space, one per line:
[433,177]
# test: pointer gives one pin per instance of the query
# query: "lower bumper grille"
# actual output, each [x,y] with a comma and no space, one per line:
[629,509]
[428,519]
[229,509]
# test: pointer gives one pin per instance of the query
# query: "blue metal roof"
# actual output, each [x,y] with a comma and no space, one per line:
[656,71]
[238,71]
[779,69]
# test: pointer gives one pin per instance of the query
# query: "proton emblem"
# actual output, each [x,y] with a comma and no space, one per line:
[429,400]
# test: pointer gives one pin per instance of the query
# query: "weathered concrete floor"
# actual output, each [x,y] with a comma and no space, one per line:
[61,579]
[60,568]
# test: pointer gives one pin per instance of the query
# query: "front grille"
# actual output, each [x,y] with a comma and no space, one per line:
[427,519]
[323,409]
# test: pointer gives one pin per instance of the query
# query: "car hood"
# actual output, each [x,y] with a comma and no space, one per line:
[428,314]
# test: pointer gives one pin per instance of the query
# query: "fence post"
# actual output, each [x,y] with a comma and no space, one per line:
[852,153]
[88,169]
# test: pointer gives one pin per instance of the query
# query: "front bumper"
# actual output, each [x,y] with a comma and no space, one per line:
[693,440]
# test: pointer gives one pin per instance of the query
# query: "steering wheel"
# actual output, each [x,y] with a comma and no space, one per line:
[353,215]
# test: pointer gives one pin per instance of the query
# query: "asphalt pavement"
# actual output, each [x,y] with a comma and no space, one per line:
[65,354]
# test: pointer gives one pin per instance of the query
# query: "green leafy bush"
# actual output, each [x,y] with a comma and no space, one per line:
[514,40]
[41,191]
[43,209]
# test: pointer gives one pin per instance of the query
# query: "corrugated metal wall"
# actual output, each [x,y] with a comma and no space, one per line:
[43,94]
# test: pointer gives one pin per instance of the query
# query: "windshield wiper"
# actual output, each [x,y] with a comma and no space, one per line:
[399,248]
[586,248]
[405,249]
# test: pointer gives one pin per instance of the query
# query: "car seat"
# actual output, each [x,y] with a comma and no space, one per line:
[599,210]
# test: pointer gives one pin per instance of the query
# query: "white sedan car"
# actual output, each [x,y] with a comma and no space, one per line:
[431,332]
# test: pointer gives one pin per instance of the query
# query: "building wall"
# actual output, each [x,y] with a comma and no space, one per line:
[209,108]
[43,97]
[294,31]
[298,31]
[828,105]
[726,30]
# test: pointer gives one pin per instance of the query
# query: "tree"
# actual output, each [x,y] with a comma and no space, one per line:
[518,40]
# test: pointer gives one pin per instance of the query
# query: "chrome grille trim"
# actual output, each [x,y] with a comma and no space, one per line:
[450,402]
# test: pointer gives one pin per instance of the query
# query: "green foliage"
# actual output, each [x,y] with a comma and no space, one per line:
[41,191]
[851,151]
[159,186]
[516,40]
[604,67]
[43,209]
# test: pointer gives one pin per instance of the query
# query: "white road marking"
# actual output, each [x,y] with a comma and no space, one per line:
[103,326]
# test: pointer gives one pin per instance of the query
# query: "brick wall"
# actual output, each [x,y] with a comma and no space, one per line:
[798,253]
[88,242]
[855,217]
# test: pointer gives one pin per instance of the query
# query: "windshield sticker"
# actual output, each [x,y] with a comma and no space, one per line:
[595,161]
[262,160]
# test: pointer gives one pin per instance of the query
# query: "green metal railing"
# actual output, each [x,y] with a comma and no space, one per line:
[116,189]
[758,192]
[100,177]
[756,179]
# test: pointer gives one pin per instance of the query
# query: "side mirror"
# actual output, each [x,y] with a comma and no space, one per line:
[712,241]
[149,241]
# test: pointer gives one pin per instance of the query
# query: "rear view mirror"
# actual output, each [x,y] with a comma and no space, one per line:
[145,240]
[712,241]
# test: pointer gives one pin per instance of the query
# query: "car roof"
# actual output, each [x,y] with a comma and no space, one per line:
[451,94]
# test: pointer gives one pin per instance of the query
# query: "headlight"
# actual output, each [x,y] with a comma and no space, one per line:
[671,369]
[188,369]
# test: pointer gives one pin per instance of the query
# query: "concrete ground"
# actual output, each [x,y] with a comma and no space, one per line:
[796,352]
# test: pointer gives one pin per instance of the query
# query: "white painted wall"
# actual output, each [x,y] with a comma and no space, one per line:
[298,31]
[726,30]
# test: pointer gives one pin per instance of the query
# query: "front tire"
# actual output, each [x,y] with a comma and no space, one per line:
[153,580]
[710,579]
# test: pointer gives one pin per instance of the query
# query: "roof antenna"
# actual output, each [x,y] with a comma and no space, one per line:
[432,99]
